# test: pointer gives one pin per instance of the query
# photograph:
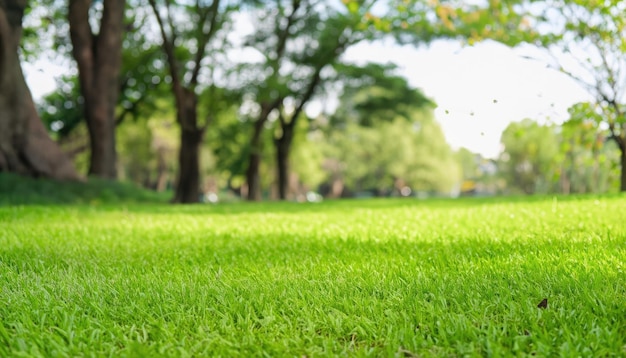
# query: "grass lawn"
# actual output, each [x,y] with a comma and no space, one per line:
[353,278]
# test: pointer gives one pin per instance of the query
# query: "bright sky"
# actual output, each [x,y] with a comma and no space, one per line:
[479,90]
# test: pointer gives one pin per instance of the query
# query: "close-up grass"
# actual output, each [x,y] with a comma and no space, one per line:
[351,278]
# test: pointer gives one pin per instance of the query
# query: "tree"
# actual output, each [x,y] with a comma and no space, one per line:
[587,41]
[140,88]
[139,84]
[587,160]
[393,157]
[479,174]
[384,136]
[99,59]
[329,37]
[25,146]
[187,45]
[419,21]
[269,91]
[529,158]
[301,40]
[306,160]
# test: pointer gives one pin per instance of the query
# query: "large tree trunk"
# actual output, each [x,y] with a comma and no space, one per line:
[25,146]
[99,59]
[188,177]
[283,147]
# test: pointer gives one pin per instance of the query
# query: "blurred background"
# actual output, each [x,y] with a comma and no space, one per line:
[303,100]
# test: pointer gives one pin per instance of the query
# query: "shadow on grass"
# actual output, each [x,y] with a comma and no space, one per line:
[20,190]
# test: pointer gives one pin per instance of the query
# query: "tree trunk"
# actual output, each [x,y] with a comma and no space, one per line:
[253,178]
[622,185]
[99,59]
[25,146]
[283,146]
[188,176]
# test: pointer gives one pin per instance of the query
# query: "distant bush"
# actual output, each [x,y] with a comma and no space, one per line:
[18,190]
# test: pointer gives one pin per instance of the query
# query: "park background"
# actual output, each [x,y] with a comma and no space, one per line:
[348,99]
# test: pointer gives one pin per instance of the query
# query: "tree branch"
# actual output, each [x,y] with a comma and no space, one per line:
[316,79]
[168,43]
[283,35]
[82,39]
[205,38]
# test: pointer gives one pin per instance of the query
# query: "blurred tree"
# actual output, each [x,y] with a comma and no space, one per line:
[479,174]
[373,93]
[383,135]
[470,170]
[306,162]
[529,159]
[137,158]
[275,25]
[587,41]
[228,140]
[392,157]
[140,83]
[191,35]
[419,21]
[99,59]
[25,147]
[299,41]
[588,161]
[469,164]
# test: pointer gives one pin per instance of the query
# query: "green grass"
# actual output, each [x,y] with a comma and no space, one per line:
[19,190]
[354,278]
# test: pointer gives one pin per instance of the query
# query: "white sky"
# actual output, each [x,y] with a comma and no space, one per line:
[479,90]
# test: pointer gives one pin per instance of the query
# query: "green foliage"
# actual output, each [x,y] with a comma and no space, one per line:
[383,135]
[576,157]
[147,147]
[46,31]
[367,278]
[307,157]
[479,175]
[588,158]
[141,85]
[373,92]
[137,156]
[298,40]
[469,165]
[62,111]
[391,155]
[228,139]
[588,41]
[529,157]
[418,21]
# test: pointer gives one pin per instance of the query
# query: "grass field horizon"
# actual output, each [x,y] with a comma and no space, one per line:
[352,278]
